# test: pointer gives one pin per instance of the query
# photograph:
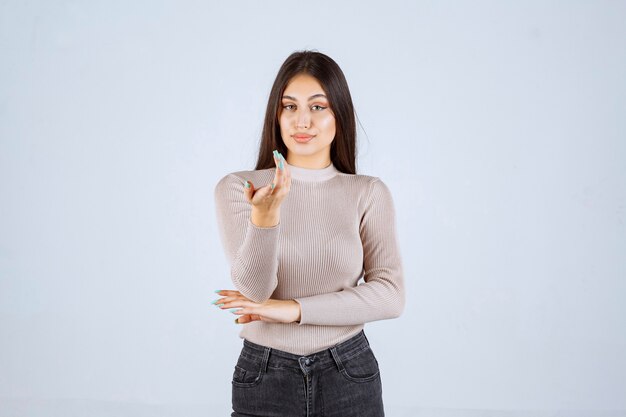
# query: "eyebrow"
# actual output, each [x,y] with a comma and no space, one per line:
[310,98]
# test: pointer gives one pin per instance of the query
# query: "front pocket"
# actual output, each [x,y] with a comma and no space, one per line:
[362,367]
[248,372]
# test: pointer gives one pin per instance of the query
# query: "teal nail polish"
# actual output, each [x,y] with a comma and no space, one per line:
[232,310]
[218,291]
[219,305]
[214,301]
[280,164]
[247,184]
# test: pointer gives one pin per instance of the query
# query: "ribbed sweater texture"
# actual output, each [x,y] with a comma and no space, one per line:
[334,229]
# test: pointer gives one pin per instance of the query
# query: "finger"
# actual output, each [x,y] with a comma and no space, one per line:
[242,319]
[228,295]
[285,172]
[228,292]
[279,174]
[281,171]
[268,189]
[223,300]
[248,189]
[238,303]
[247,318]
[287,181]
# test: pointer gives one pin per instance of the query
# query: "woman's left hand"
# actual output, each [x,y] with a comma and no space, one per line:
[275,311]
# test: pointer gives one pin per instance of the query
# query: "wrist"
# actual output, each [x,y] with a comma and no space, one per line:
[298,311]
[264,218]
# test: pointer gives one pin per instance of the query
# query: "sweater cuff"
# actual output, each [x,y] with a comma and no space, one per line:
[250,224]
[308,306]
[301,322]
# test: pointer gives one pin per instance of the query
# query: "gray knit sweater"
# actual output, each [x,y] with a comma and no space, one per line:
[334,229]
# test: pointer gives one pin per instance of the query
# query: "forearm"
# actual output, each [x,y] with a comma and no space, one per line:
[371,301]
[382,296]
[250,239]
[255,266]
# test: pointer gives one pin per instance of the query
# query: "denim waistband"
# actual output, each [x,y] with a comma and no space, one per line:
[324,358]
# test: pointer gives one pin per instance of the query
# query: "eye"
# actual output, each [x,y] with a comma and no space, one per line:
[287,106]
[320,107]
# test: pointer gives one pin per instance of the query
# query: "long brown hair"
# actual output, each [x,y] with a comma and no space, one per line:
[332,80]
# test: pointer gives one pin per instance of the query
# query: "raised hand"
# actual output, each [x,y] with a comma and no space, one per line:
[266,200]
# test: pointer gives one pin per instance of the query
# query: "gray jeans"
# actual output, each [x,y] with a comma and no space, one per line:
[341,381]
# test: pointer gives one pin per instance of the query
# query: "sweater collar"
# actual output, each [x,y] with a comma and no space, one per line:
[313,174]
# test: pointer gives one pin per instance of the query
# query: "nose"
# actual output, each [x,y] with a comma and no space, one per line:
[303,119]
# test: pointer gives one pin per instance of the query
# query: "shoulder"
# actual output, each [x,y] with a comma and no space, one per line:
[367,183]
[362,181]
[370,189]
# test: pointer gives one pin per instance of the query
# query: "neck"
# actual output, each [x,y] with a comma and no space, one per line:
[308,163]
[313,174]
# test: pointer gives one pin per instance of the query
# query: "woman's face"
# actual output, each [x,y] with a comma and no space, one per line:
[307,123]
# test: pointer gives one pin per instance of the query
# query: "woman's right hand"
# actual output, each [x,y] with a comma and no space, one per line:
[266,200]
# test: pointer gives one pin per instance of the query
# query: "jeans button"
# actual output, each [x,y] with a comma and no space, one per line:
[307,361]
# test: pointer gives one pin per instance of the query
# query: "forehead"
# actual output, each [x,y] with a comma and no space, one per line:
[303,86]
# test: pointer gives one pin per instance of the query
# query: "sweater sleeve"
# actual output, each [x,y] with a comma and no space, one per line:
[252,251]
[382,294]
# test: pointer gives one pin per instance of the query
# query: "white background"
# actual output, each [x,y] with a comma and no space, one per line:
[500,128]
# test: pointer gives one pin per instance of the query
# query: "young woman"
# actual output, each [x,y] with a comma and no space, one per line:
[299,231]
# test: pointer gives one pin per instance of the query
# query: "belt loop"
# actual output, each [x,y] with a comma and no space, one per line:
[266,356]
[333,352]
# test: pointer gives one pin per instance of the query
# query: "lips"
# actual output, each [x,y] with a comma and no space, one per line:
[301,138]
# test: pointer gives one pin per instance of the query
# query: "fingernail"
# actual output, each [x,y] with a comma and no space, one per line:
[218,291]
[232,310]
[276,154]
[273,185]
[219,305]
[214,301]
[237,321]
[247,184]
[280,164]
